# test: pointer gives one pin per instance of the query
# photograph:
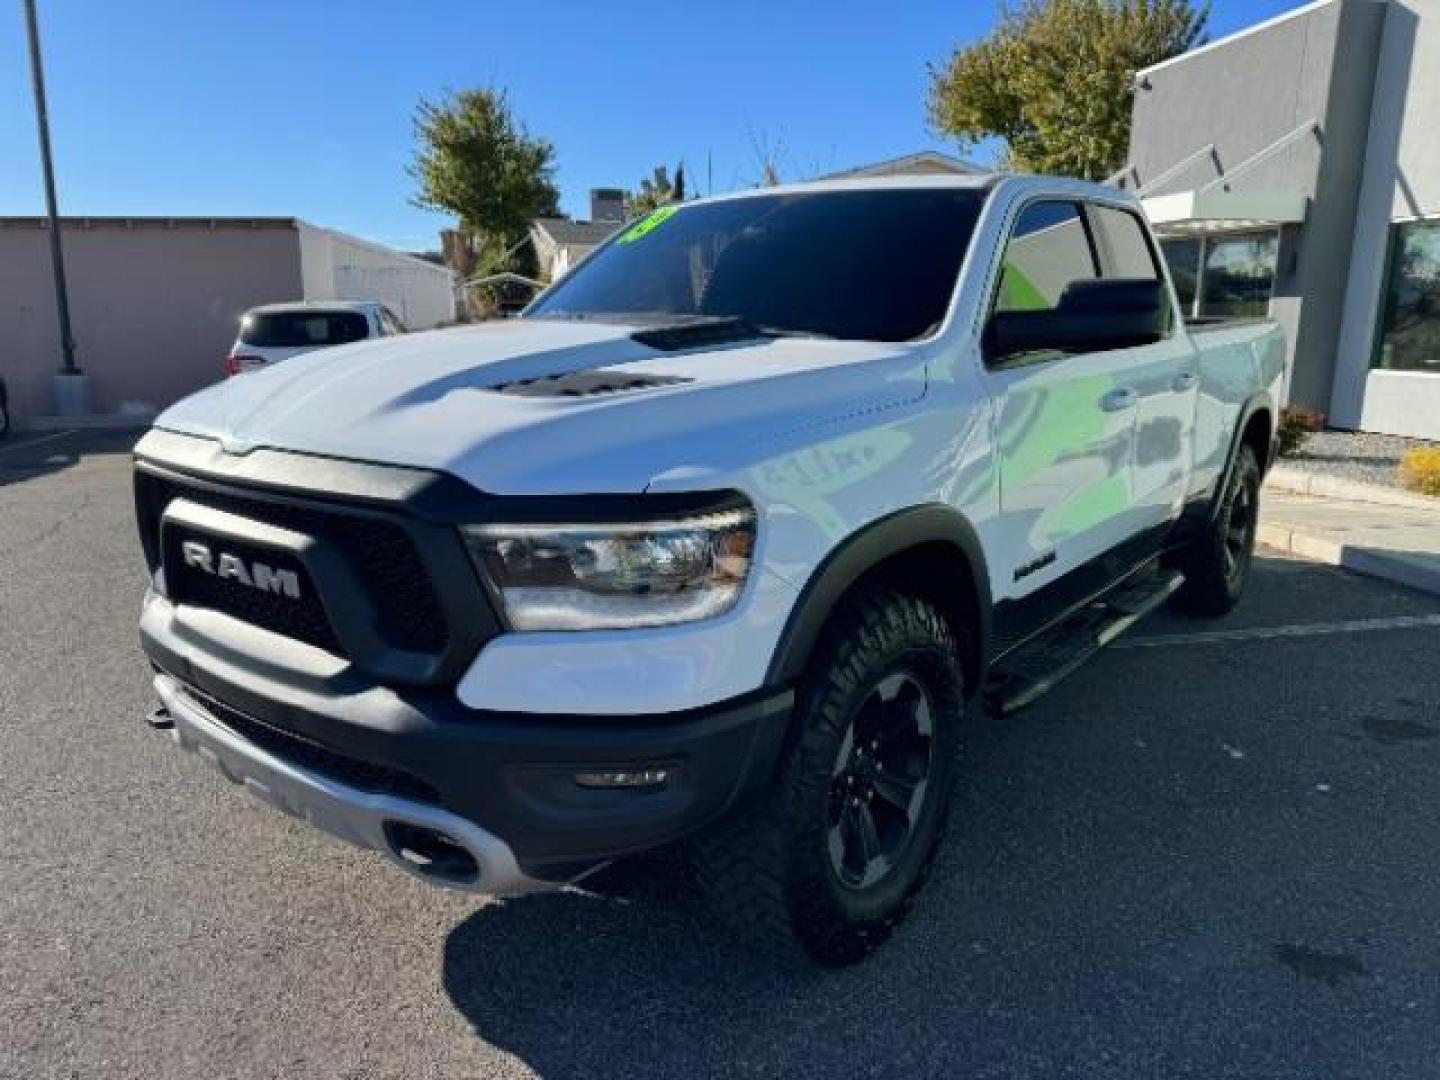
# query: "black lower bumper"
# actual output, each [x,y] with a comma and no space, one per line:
[511,774]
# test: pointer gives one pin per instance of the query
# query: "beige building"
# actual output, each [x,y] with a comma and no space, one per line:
[155,302]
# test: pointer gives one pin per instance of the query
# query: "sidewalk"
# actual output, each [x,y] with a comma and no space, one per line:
[1397,539]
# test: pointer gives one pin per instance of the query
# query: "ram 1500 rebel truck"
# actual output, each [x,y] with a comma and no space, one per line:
[719,542]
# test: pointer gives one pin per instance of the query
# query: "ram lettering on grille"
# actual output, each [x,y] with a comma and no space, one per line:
[256,575]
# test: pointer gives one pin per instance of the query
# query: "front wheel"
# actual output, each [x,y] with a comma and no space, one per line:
[1217,565]
[832,857]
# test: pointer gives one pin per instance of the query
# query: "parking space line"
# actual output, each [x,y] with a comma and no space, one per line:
[1297,630]
[36,442]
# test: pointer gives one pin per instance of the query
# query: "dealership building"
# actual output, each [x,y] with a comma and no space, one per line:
[1293,170]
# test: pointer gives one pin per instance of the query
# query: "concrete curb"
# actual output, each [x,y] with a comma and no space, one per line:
[1299,482]
[1416,573]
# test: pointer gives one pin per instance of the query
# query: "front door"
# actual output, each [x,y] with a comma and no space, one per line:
[1064,423]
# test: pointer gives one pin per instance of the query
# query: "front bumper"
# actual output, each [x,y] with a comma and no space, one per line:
[379,822]
[360,759]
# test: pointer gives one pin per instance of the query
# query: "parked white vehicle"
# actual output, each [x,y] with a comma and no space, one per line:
[719,542]
[274,332]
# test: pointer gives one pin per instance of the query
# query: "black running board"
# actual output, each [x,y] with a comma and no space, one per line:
[1034,668]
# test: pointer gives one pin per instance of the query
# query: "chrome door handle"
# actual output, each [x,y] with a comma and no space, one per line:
[1119,399]
[1186,380]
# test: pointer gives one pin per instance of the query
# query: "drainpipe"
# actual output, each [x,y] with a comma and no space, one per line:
[72,386]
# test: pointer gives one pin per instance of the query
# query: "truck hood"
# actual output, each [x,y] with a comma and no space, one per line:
[490,404]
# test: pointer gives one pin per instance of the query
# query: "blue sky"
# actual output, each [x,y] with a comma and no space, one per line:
[176,107]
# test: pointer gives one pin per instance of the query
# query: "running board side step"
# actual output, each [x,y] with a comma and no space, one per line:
[1034,668]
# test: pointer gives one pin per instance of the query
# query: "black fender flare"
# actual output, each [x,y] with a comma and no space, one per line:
[861,552]
[1255,403]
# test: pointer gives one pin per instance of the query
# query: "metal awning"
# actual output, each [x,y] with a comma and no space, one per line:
[504,277]
[1214,209]
[1225,202]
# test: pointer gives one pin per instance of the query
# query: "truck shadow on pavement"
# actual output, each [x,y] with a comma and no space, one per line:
[30,457]
[1141,878]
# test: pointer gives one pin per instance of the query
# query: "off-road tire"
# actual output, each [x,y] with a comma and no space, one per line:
[768,875]
[1217,565]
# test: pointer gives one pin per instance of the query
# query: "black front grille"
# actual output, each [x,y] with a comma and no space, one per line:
[380,551]
[376,779]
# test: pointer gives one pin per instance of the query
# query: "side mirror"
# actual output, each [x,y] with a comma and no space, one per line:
[1092,316]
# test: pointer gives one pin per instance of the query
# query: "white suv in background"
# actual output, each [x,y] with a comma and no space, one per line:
[279,331]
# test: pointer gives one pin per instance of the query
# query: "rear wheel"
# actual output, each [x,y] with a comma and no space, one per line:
[1217,565]
[830,860]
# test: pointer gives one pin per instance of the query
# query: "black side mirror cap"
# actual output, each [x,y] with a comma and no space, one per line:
[1092,316]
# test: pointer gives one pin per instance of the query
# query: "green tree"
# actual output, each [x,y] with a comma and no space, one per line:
[1055,80]
[476,161]
[656,190]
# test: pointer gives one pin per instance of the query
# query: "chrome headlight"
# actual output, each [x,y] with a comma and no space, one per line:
[613,576]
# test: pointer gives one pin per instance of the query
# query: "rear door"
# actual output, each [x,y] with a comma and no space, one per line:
[1064,422]
[1164,376]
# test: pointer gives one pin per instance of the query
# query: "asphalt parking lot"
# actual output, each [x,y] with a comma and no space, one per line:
[1213,852]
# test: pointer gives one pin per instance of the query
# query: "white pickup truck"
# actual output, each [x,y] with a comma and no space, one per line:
[719,542]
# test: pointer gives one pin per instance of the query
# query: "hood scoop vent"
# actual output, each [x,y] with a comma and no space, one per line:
[585,384]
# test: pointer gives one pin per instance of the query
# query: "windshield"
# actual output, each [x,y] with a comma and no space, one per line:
[288,329]
[876,265]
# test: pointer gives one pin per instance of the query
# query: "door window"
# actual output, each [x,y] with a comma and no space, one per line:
[1183,258]
[1238,276]
[1048,250]
[1410,319]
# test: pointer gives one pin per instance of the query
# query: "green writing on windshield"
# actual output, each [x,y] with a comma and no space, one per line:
[646,225]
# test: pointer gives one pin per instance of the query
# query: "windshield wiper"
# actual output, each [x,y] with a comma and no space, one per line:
[782,332]
[693,332]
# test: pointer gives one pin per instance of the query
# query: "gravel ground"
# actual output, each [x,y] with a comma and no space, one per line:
[1355,455]
[1196,858]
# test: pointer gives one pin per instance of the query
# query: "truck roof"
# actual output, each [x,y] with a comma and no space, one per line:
[1059,186]
[976,181]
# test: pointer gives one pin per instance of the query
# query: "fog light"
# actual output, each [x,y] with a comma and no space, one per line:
[627,778]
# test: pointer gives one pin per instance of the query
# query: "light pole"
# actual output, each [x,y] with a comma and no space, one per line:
[72,388]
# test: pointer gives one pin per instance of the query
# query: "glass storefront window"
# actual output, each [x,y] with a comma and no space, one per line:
[1238,275]
[1409,338]
[1183,258]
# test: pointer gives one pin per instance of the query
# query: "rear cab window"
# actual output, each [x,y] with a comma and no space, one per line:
[1126,252]
[294,329]
[1124,249]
